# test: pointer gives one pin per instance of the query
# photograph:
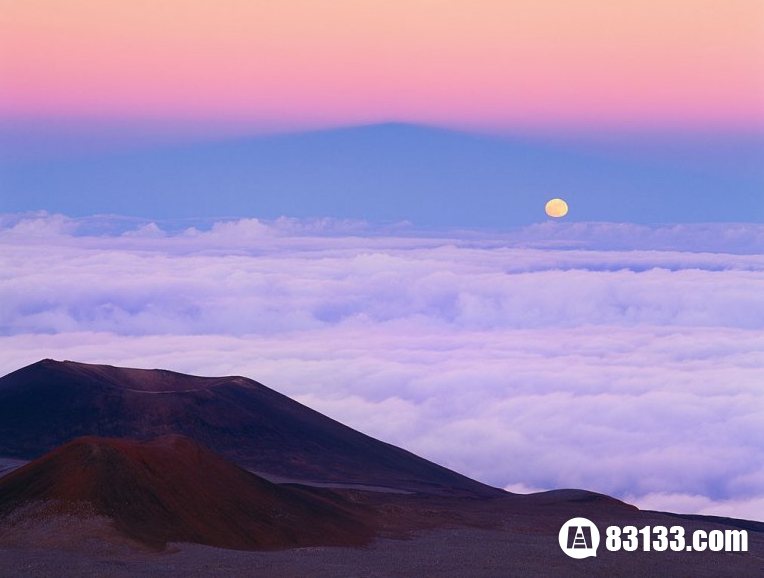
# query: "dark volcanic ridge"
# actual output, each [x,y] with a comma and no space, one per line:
[49,403]
[171,489]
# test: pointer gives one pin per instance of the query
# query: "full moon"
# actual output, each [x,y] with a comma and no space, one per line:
[556,208]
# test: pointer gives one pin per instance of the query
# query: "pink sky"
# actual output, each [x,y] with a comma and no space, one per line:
[498,63]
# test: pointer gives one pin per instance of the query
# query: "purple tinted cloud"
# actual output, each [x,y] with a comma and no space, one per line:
[528,357]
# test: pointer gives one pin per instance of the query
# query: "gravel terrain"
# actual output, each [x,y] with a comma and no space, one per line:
[485,539]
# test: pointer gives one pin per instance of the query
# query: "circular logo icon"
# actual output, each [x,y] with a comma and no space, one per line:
[579,538]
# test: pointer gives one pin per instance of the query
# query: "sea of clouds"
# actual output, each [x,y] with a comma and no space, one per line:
[619,358]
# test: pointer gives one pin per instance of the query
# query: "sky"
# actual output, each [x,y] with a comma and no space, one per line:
[649,111]
[344,201]
[395,172]
[276,65]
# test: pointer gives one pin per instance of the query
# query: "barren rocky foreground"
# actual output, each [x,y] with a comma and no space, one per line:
[418,536]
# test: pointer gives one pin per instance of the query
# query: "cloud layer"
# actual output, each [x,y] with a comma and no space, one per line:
[544,357]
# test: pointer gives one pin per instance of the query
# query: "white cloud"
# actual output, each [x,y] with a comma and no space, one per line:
[38,224]
[151,230]
[520,488]
[244,280]
[746,509]
[633,373]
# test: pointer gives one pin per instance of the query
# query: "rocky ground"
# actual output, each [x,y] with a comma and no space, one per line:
[417,536]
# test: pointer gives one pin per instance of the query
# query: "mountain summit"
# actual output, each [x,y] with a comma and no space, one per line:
[49,403]
[171,489]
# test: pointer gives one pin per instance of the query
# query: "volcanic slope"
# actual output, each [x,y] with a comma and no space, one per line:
[49,403]
[171,489]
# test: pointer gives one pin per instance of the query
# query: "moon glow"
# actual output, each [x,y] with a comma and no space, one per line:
[556,208]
